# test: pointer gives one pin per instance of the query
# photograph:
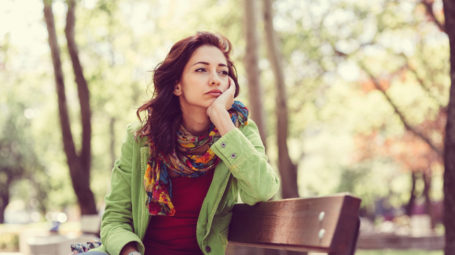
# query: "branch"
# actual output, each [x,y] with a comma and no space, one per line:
[406,124]
[428,4]
[421,82]
[67,137]
[82,87]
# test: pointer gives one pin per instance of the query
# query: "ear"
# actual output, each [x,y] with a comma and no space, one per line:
[178,89]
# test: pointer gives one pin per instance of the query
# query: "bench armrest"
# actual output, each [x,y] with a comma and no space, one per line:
[322,224]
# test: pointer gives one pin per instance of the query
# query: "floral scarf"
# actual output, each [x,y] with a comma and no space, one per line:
[192,159]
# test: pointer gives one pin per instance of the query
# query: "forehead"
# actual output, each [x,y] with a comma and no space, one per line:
[209,54]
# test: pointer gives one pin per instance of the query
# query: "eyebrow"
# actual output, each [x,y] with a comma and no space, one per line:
[206,63]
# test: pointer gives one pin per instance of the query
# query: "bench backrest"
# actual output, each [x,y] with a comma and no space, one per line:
[321,224]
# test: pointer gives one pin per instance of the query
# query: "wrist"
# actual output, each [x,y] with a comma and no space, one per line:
[215,110]
[130,249]
[222,121]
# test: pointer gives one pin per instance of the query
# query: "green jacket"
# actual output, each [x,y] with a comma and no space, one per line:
[243,170]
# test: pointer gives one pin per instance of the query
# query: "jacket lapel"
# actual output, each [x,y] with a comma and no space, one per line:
[215,193]
[145,217]
[145,154]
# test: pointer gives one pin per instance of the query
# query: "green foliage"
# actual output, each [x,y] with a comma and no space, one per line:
[9,242]
[18,158]
[331,105]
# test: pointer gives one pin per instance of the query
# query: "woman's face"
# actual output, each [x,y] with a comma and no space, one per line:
[204,78]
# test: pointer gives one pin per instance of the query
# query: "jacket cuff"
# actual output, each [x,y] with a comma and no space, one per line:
[119,241]
[233,149]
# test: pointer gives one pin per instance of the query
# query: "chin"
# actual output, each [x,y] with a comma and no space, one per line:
[206,106]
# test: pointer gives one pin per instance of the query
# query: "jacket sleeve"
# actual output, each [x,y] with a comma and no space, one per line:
[243,153]
[117,221]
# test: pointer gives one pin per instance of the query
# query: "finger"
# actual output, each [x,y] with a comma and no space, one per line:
[231,82]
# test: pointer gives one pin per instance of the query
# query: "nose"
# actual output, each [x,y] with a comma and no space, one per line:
[214,79]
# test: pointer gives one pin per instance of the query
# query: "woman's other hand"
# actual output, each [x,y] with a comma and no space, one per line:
[129,248]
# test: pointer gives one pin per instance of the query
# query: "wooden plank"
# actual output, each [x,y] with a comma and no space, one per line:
[400,242]
[322,224]
[347,229]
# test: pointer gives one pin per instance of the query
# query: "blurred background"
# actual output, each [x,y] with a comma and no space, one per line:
[360,88]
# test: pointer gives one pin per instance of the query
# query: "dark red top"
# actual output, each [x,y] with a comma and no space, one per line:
[176,235]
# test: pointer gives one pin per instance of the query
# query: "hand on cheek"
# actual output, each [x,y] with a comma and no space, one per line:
[218,110]
[226,99]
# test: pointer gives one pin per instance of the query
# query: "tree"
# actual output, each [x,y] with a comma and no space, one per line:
[449,140]
[78,162]
[288,170]
[252,68]
[18,159]
[403,67]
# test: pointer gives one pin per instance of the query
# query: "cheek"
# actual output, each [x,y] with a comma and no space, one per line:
[225,83]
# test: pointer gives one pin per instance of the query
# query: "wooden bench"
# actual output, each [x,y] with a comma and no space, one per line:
[327,224]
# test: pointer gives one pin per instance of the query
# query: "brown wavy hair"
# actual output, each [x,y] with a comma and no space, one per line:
[164,115]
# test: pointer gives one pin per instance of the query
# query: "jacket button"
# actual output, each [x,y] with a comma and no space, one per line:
[223,145]
[207,248]
[233,155]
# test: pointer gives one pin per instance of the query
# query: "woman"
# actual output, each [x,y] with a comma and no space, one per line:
[182,170]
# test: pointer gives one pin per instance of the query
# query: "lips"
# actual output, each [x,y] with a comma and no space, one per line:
[214,92]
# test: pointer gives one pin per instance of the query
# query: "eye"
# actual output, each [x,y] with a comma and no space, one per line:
[224,72]
[199,70]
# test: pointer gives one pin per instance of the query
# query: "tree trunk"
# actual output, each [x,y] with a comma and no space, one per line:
[288,170]
[252,68]
[412,196]
[79,165]
[4,200]
[81,174]
[426,176]
[449,141]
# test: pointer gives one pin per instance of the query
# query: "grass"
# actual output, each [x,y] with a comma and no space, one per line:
[398,252]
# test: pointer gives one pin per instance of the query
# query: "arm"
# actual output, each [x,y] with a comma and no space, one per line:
[243,153]
[116,227]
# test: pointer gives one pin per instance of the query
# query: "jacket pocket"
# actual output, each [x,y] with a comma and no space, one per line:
[229,197]
[221,225]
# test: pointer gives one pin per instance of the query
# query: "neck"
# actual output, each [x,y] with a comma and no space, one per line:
[196,121]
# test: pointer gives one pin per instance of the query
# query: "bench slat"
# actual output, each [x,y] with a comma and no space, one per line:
[322,224]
